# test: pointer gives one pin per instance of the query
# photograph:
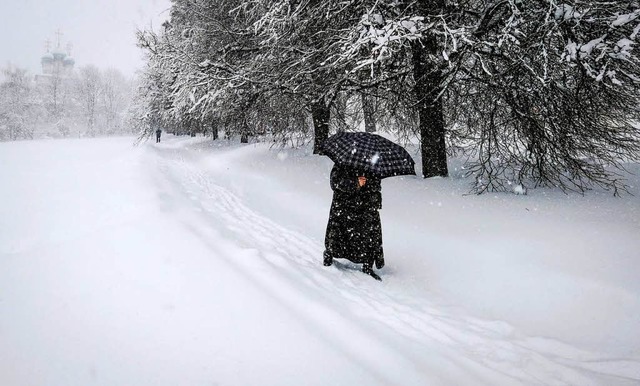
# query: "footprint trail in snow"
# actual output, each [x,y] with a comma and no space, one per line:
[387,331]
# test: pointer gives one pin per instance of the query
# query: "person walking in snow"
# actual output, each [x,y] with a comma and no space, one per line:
[158,133]
[354,231]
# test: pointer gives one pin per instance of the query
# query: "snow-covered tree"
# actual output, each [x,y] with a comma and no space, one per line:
[88,102]
[299,41]
[89,89]
[18,107]
[244,69]
[188,92]
[534,92]
[538,91]
[115,99]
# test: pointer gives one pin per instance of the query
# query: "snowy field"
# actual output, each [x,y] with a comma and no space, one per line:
[193,262]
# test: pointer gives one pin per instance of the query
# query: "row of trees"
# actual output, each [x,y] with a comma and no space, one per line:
[536,92]
[87,102]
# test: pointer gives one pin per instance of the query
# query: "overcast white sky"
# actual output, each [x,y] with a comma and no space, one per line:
[102,32]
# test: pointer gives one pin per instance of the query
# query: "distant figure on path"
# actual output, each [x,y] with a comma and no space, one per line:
[354,231]
[158,133]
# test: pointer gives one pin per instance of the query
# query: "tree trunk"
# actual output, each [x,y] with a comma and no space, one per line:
[214,130]
[320,114]
[340,111]
[368,109]
[428,81]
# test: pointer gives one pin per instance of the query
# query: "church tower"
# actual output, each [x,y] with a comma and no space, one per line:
[57,62]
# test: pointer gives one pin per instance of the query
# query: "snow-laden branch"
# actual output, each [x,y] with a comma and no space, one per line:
[609,55]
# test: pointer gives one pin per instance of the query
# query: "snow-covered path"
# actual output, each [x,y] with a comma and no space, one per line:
[153,266]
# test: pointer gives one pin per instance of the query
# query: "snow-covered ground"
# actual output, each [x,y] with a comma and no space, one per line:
[193,262]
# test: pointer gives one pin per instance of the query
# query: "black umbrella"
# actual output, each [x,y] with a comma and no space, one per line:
[369,154]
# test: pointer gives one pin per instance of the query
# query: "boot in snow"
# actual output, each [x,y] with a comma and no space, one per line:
[366,268]
[328,259]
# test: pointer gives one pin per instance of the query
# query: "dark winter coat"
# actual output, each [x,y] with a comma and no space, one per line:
[354,231]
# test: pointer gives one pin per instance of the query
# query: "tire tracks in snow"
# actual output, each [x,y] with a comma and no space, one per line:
[389,334]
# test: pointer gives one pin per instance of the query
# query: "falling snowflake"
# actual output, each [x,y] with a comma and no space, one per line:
[375,158]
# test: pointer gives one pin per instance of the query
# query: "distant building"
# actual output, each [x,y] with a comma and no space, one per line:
[55,64]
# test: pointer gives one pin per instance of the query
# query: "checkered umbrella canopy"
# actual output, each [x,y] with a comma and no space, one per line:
[369,153]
